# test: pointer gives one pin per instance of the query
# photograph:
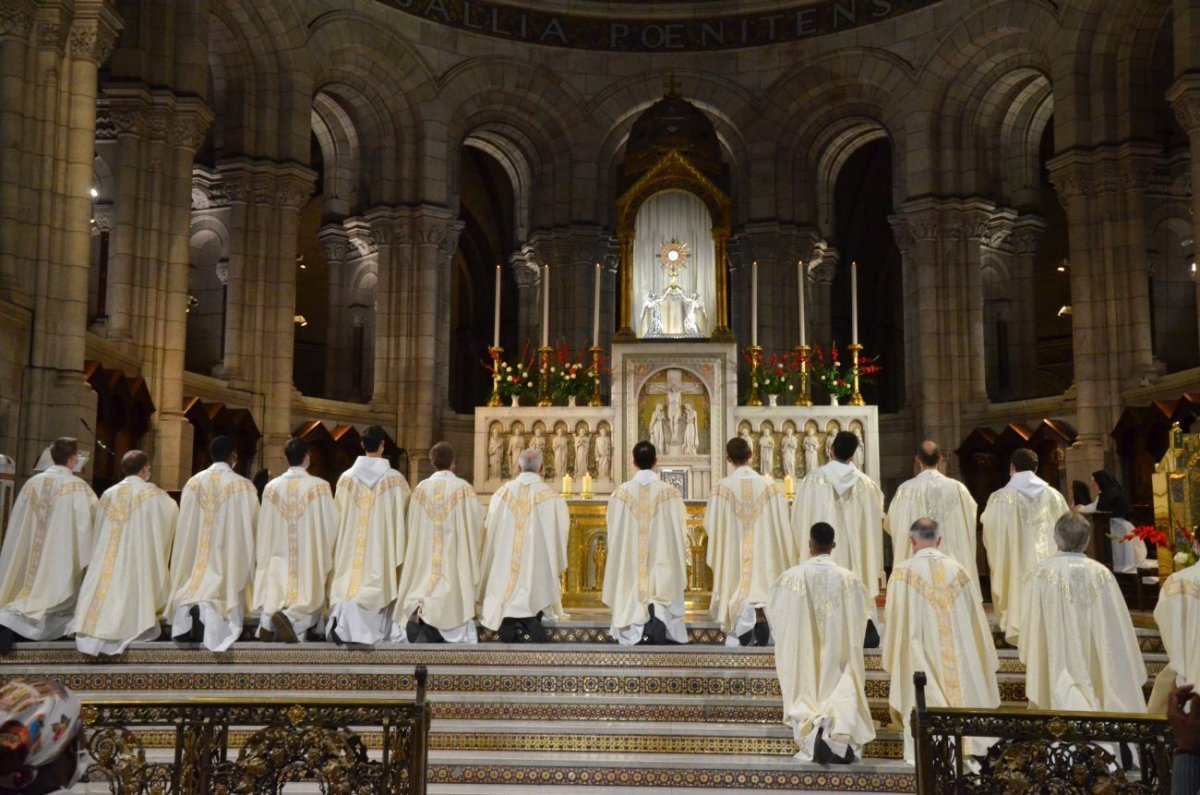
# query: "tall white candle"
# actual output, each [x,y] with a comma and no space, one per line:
[496,312]
[800,288]
[545,306]
[596,310]
[854,302]
[754,303]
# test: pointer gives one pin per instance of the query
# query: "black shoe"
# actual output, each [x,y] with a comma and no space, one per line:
[746,638]
[284,630]
[871,639]
[821,752]
[333,635]
[420,632]
[197,633]
[534,631]
[509,629]
[655,631]
[7,639]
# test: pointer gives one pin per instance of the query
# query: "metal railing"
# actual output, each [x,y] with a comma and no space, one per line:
[281,741]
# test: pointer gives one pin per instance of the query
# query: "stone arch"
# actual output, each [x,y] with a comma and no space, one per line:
[509,146]
[836,146]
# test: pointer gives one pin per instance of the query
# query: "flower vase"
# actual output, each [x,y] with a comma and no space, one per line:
[571,401]
[1166,562]
[833,400]
[772,400]
[516,401]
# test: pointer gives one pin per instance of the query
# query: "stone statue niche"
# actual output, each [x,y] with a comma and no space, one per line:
[674,414]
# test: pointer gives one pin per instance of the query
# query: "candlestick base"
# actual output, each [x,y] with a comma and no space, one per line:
[753,399]
[722,334]
[805,396]
[495,352]
[544,382]
[856,398]
[595,399]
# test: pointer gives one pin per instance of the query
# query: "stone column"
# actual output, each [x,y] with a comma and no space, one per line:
[336,245]
[1024,240]
[822,267]
[1185,99]
[16,23]
[527,274]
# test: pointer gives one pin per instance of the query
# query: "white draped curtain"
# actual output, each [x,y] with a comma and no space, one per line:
[682,216]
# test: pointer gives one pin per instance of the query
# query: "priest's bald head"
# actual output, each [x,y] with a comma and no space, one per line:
[928,455]
[1072,532]
[820,539]
[644,455]
[845,444]
[925,534]
[530,460]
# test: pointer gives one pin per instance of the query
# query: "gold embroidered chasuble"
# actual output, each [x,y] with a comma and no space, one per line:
[934,623]
[852,503]
[524,552]
[750,542]
[946,501]
[1178,619]
[371,536]
[441,561]
[47,545]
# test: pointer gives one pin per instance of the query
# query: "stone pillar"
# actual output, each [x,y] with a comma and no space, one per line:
[1185,99]
[822,268]
[16,24]
[338,335]
[528,277]
[1024,240]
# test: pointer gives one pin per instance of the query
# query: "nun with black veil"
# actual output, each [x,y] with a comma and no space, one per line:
[1111,499]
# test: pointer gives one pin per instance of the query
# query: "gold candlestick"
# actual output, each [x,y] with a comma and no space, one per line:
[856,398]
[595,399]
[495,353]
[755,364]
[805,397]
[544,381]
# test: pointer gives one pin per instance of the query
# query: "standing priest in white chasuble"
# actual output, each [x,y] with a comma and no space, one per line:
[818,612]
[1178,618]
[441,562]
[297,527]
[212,562]
[750,543]
[646,571]
[1077,640]
[524,552]
[46,548]
[845,498]
[127,585]
[371,500]
[942,499]
[1018,533]
[935,623]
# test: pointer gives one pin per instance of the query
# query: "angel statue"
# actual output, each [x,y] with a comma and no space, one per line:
[693,306]
[653,308]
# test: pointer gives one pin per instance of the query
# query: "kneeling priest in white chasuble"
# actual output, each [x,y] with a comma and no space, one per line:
[942,499]
[1178,618]
[750,543]
[1077,640]
[46,548]
[441,562]
[845,498]
[127,585]
[371,500]
[212,562]
[934,622]
[524,548]
[297,527]
[818,613]
[1018,533]
[646,573]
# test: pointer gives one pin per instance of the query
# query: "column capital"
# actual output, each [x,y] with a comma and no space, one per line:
[222,270]
[282,185]
[102,216]
[189,124]
[1026,234]
[335,241]
[16,19]
[523,263]
[1184,96]
[915,222]
[93,35]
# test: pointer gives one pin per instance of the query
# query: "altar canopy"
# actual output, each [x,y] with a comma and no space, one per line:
[674,267]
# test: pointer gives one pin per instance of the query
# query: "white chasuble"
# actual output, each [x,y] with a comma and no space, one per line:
[948,502]
[818,615]
[46,548]
[1018,533]
[212,561]
[934,623]
[852,503]
[1178,619]
[750,543]
[1077,640]
[524,552]
[371,501]
[297,527]
[127,585]
[647,563]
[441,561]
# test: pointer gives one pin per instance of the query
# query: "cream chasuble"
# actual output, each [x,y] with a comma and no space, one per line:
[931,494]
[524,552]
[1178,619]
[1077,640]
[818,614]
[127,585]
[372,500]
[212,562]
[934,623]
[46,548]
[852,503]
[1018,533]
[441,561]
[750,543]
[646,564]
[297,527]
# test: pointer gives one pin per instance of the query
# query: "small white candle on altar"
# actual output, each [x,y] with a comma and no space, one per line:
[545,306]
[800,282]
[568,484]
[496,312]
[596,310]
[854,302]
[754,303]
[587,484]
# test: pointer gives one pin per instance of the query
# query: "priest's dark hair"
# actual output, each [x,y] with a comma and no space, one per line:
[928,454]
[134,462]
[221,449]
[373,438]
[62,449]
[1024,460]
[821,535]
[738,450]
[644,455]
[441,455]
[844,445]
[294,451]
